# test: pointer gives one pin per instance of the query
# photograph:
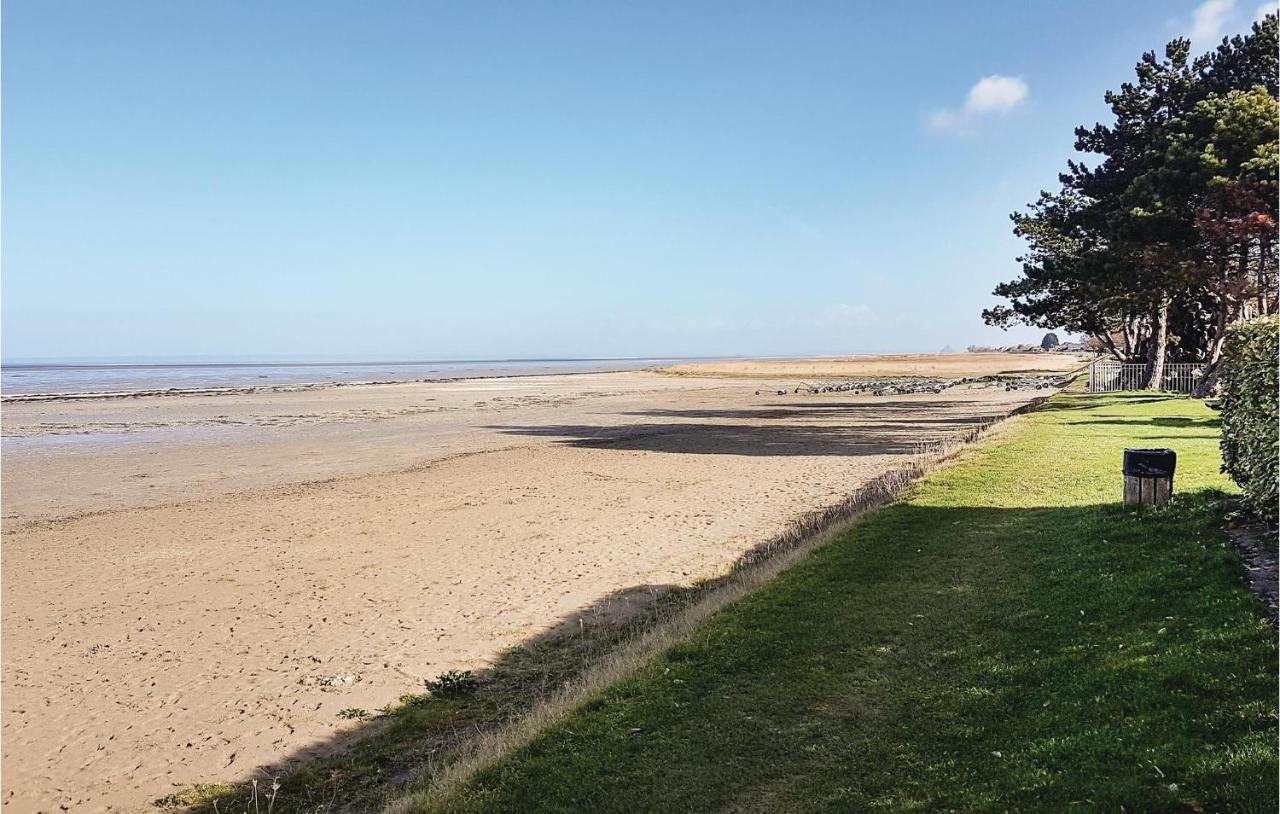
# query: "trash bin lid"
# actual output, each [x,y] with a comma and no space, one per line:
[1150,463]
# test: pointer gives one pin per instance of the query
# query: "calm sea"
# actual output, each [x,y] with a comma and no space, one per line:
[29,379]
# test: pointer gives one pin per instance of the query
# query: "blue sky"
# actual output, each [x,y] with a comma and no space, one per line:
[464,180]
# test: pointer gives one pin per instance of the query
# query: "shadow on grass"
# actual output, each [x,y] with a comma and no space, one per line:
[1089,401]
[1059,629]
[970,659]
[1209,423]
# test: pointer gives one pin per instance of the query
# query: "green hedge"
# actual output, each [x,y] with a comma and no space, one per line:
[1250,390]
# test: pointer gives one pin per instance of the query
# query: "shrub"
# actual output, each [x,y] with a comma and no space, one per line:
[453,684]
[1250,390]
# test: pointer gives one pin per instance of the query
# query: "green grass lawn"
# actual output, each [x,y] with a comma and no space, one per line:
[1005,637]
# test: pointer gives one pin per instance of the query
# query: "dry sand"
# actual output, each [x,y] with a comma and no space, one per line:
[950,365]
[194,586]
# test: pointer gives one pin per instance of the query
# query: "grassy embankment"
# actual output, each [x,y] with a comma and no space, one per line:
[1004,637]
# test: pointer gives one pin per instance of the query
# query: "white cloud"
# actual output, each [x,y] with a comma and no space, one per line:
[1208,20]
[995,94]
[1213,18]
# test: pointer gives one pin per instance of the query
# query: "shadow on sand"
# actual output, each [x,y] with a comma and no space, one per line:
[847,429]
[357,768]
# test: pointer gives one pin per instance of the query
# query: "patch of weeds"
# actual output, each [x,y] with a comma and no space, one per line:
[353,714]
[453,684]
[195,795]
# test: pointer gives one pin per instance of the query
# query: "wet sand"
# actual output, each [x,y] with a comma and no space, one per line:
[194,586]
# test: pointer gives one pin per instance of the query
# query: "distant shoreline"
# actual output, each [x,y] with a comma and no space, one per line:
[17,398]
[176,365]
[859,366]
[60,381]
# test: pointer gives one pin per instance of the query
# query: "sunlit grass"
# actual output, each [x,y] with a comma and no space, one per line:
[1006,637]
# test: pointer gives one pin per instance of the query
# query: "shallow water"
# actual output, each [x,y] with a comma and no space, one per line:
[31,379]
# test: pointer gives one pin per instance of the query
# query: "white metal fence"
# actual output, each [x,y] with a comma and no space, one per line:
[1108,375]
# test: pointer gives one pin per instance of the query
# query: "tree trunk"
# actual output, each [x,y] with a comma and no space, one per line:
[1231,302]
[1104,338]
[1159,341]
[1262,283]
[1210,377]
[1264,274]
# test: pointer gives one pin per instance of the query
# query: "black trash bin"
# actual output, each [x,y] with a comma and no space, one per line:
[1148,475]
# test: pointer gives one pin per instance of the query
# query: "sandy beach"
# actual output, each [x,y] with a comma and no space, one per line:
[943,365]
[195,586]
